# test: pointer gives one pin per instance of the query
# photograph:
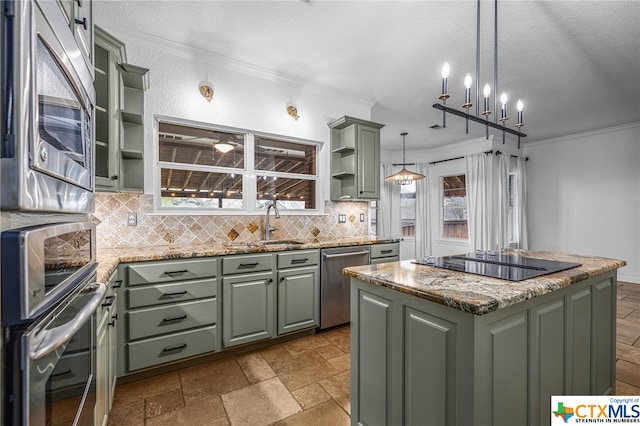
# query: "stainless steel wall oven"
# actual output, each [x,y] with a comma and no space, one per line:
[49,302]
[48,104]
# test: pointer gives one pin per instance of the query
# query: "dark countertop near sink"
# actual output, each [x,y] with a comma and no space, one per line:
[109,259]
[478,294]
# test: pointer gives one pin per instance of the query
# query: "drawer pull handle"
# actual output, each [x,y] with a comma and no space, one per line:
[175,348]
[82,22]
[386,251]
[114,316]
[62,373]
[174,319]
[299,260]
[108,301]
[112,323]
[170,273]
[175,293]
[248,265]
[117,284]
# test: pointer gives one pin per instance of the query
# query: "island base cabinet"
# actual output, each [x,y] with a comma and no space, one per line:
[416,362]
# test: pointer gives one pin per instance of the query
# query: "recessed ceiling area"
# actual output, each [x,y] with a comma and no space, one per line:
[575,64]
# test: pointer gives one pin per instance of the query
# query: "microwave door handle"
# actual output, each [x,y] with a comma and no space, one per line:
[62,334]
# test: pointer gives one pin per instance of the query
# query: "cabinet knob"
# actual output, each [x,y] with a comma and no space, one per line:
[270,281]
[82,22]
[114,177]
[362,192]
[79,3]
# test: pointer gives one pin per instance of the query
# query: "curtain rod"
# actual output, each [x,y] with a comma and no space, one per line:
[513,156]
[457,158]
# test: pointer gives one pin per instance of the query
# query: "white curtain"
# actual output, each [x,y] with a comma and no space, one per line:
[478,170]
[388,221]
[423,212]
[520,201]
[502,206]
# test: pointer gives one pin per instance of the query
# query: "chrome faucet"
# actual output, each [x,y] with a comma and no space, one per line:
[268,229]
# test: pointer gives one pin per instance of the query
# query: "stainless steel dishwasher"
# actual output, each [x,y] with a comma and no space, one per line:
[334,286]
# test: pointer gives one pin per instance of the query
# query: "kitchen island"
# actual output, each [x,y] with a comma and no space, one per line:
[440,347]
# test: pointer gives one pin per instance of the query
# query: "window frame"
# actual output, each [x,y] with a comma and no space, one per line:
[441,208]
[249,173]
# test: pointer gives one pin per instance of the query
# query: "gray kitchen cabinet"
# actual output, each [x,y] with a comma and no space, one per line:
[79,17]
[106,358]
[298,290]
[355,159]
[171,312]
[419,362]
[119,116]
[382,253]
[248,307]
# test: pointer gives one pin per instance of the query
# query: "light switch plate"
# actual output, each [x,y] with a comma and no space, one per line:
[361,217]
[132,219]
[342,218]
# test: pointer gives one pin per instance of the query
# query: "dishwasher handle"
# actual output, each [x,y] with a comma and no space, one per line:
[353,253]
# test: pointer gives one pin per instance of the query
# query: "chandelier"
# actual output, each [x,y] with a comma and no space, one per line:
[404,176]
[498,123]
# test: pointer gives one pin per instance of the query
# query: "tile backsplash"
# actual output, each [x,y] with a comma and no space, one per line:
[155,229]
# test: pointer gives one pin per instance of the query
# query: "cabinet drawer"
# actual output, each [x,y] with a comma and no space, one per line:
[297,258]
[168,319]
[175,270]
[71,370]
[161,294]
[245,264]
[384,260]
[159,350]
[384,250]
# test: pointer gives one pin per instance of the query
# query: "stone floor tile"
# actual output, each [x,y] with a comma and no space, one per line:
[329,351]
[159,404]
[341,338]
[214,378]
[207,411]
[304,344]
[146,388]
[310,396]
[344,401]
[255,367]
[623,388]
[275,355]
[327,413]
[628,353]
[127,413]
[628,372]
[338,385]
[260,404]
[300,371]
[341,363]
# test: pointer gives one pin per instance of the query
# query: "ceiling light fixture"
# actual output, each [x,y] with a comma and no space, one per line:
[206,90]
[404,176]
[486,92]
[292,110]
[223,147]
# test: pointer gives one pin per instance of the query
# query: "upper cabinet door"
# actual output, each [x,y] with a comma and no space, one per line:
[368,162]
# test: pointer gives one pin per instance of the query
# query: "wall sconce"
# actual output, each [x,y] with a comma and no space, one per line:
[206,90]
[292,110]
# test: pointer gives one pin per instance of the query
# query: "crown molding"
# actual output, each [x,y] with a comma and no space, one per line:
[213,58]
[582,135]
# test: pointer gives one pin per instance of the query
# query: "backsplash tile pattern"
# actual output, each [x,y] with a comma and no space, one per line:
[176,230]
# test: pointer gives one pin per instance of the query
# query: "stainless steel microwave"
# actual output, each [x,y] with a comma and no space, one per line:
[48,103]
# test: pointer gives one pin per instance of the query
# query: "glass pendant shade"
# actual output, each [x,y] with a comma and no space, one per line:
[404,176]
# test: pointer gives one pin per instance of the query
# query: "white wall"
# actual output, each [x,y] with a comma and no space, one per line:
[584,196]
[245,97]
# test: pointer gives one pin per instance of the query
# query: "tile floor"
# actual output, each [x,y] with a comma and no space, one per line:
[301,382]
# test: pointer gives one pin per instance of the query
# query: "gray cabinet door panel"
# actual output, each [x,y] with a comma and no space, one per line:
[374,360]
[384,250]
[428,386]
[158,350]
[298,299]
[248,308]
[173,270]
[368,162]
[604,337]
[579,347]
[148,322]
[170,293]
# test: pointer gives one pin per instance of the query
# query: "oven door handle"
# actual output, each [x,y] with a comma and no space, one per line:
[62,334]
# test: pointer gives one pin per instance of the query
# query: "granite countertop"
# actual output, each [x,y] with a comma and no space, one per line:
[109,259]
[478,294]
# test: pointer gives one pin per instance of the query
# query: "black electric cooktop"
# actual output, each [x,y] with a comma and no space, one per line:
[496,265]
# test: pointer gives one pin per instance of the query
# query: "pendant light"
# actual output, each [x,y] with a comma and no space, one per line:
[404,176]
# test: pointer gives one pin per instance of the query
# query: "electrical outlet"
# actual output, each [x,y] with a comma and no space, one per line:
[132,219]
[342,218]
[361,217]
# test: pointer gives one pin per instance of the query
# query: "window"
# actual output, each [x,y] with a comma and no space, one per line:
[454,207]
[408,209]
[212,169]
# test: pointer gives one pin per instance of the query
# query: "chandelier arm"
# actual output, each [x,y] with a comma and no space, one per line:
[496,126]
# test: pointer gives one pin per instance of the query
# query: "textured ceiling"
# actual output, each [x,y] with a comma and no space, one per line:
[575,64]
